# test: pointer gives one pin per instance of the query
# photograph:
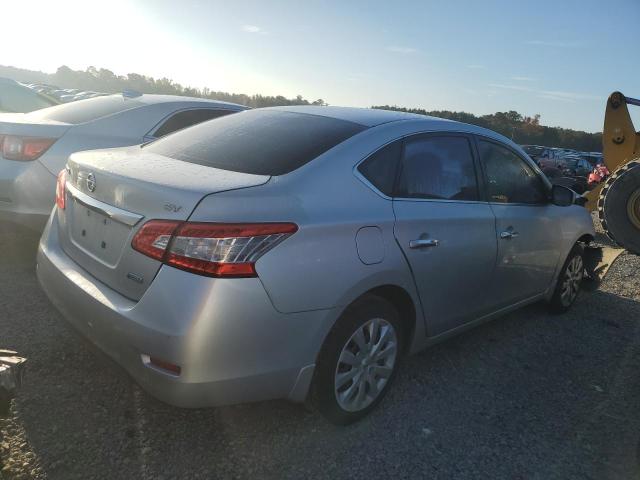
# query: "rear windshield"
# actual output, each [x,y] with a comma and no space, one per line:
[16,98]
[87,110]
[259,142]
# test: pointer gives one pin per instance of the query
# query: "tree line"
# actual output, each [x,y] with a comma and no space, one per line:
[521,129]
[106,81]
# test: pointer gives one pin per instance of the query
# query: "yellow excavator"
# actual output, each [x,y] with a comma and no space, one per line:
[617,199]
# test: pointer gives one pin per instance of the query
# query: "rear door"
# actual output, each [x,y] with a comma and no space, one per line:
[444,229]
[526,224]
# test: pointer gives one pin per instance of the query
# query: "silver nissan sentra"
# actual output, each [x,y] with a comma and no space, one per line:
[299,252]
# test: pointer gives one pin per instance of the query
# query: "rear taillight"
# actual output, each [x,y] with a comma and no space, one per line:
[25,149]
[212,249]
[61,189]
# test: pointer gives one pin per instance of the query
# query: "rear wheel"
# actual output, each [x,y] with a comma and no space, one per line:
[619,207]
[358,361]
[569,281]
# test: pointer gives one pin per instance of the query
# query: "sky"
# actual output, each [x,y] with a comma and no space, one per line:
[557,58]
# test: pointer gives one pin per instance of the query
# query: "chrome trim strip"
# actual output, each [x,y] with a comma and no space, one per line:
[114,213]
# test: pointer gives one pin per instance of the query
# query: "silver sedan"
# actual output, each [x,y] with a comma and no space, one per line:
[299,252]
[35,146]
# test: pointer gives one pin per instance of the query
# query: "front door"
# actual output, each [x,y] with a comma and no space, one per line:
[526,225]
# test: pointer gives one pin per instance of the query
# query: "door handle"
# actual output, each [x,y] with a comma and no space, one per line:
[509,234]
[423,243]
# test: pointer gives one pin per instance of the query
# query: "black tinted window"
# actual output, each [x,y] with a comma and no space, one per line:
[261,142]
[381,167]
[188,118]
[439,168]
[510,179]
[86,110]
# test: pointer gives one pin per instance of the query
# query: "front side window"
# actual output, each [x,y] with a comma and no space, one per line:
[438,168]
[510,179]
[187,118]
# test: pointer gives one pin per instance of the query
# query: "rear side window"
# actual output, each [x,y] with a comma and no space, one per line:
[83,111]
[438,168]
[267,142]
[381,167]
[187,118]
[509,178]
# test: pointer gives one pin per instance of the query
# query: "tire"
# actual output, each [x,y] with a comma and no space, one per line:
[619,207]
[569,281]
[346,374]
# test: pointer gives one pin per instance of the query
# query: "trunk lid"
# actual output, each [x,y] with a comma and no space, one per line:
[112,193]
[20,124]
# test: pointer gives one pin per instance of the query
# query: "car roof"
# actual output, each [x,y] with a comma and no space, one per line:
[149,99]
[372,117]
[368,117]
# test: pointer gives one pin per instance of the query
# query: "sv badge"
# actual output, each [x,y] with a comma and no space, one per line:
[172,207]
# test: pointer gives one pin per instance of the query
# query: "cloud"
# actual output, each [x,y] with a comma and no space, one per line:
[556,98]
[559,95]
[544,43]
[569,96]
[476,67]
[401,50]
[253,29]
[519,88]
[518,78]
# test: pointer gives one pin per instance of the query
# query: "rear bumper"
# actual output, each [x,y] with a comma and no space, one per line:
[27,193]
[225,334]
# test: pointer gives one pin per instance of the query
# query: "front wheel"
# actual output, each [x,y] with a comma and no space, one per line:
[569,281]
[358,361]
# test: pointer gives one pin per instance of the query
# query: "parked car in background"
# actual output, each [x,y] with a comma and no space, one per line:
[35,146]
[571,171]
[534,151]
[16,98]
[63,95]
[299,252]
[594,158]
[575,166]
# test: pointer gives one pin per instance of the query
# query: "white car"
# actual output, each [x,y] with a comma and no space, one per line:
[34,147]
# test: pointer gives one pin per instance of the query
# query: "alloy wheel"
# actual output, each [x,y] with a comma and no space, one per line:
[365,364]
[572,279]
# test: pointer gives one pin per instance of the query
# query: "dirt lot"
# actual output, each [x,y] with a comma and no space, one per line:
[527,396]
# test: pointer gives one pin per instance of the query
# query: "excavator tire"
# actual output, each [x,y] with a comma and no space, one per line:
[619,206]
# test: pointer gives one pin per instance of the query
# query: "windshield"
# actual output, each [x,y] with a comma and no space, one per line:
[261,142]
[83,111]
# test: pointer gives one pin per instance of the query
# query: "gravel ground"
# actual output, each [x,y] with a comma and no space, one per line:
[527,396]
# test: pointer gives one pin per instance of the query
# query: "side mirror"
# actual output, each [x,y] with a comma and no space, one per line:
[562,196]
